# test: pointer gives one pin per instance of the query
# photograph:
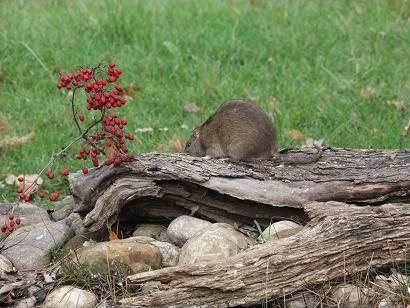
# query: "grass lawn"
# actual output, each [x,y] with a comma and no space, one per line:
[337,70]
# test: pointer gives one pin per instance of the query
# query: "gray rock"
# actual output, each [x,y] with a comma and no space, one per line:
[127,256]
[63,208]
[280,229]
[27,302]
[68,297]
[302,300]
[5,264]
[349,295]
[28,213]
[28,248]
[169,252]
[184,227]
[394,281]
[76,223]
[149,230]
[214,243]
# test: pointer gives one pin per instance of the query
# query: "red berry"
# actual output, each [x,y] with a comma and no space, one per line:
[81,117]
[65,172]
[11,228]
[19,190]
[4,228]
[50,174]
[18,221]
[129,136]
[118,132]
[20,179]
[11,216]
[41,194]
[111,79]
[85,170]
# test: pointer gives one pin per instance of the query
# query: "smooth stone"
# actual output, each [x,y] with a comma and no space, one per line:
[350,296]
[214,243]
[28,213]
[5,264]
[68,297]
[279,230]
[76,223]
[63,208]
[303,300]
[184,227]
[149,230]
[169,252]
[129,256]
[29,247]
[393,281]
[27,302]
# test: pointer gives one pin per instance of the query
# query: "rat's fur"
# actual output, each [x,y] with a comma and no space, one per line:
[239,130]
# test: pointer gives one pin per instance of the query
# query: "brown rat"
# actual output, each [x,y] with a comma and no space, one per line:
[239,130]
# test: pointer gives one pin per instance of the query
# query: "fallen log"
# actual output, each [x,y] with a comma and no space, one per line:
[338,241]
[161,187]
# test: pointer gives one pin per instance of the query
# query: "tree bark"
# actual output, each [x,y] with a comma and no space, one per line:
[338,241]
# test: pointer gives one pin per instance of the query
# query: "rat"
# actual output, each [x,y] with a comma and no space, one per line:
[242,131]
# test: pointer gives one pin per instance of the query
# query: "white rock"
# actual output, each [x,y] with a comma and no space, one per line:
[384,303]
[280,229]
[68,297]
[394,281]
[214,243]
[350,296]
[5,264]
[184,227]
[302,300]
[27,302]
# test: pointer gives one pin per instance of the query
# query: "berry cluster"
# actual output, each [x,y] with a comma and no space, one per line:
[108,137]
[23,196]
[10,223]
[77,79]
[104,134]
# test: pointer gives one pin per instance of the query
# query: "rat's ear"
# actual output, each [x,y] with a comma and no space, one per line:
[196,132]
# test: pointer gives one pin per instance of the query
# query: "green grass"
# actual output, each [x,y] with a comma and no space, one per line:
[314,57]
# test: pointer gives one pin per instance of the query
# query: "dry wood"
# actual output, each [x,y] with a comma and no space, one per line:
[160,187]
[339,240]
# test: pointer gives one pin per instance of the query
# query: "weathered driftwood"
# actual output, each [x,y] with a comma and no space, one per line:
[160,187]
[338,240]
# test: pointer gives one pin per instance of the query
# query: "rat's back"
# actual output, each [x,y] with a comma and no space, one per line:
[239,130]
